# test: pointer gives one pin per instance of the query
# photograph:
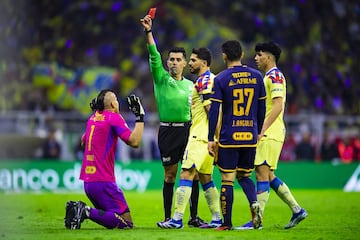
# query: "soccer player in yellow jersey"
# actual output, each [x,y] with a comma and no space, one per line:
[272,135]
[196,157]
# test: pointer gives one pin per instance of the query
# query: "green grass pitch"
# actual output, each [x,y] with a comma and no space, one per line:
[333,214]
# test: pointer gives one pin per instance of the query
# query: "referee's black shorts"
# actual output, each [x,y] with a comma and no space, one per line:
[172,140]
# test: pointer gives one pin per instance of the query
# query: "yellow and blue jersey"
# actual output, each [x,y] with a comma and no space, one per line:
[201,98]
[275,86]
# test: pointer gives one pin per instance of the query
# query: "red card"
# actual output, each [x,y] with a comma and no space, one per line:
[152,12]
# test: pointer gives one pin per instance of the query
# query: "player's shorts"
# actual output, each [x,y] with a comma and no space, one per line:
[106,196]
[268,152]
[172,141]
[197,155]
[236,159]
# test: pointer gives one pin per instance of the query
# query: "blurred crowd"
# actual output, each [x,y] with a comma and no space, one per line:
[320,42]
[333,149]
[319,39]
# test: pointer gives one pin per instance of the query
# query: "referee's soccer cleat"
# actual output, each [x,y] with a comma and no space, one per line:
[296,218]
[75,214]
[256,215]
[171,224]
[196,222]
[247,226]
[212,224]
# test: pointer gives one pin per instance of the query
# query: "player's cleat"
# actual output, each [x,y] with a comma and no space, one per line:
[223,227]
[196,222]
[256,215]
[69,213]
[296,218]
[247,226]
[165,220]
[174,224]
[75,214]
[212,224]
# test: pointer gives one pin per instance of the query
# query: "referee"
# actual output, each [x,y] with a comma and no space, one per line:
[173,98]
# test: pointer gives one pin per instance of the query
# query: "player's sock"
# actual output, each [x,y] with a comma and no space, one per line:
[183,193]
[212,199]
[263,193]
[87,211]
[248,187]
[109,219]
[226,201]
[194,200]
[284,193]
[168,193]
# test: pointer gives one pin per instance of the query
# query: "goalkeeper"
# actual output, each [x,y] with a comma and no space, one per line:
[103,129]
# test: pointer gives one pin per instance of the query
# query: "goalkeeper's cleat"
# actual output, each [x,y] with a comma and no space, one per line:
[196,222]
[80,214]
[75,214]
[223,227]
[256,215]
[69,213]
[172,223]
[247,226]
[296,218]
[212,224]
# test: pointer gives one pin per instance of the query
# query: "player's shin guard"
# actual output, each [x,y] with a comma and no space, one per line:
[248,187]
[226,201]
[183,193]
[283,191]
[212,199]
[263,193]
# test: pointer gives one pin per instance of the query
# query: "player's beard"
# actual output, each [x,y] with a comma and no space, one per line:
[173,71]
[195,71]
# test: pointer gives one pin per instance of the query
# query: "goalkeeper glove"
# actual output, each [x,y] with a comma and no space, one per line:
[136,107]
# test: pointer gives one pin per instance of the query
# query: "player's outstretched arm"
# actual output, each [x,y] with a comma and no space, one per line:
[137,109]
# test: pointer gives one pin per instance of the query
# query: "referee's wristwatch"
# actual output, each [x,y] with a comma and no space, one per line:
[147,31]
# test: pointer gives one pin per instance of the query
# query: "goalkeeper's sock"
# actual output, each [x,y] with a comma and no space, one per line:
[248,187]
[168,193]
[109,219]
[263,193]
[212,199]
[87,211]
[284,193]
[194,199]
[183,193]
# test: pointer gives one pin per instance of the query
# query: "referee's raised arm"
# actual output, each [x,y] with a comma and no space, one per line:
[147,24]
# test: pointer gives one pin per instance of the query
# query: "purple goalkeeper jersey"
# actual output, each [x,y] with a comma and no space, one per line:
[100,139]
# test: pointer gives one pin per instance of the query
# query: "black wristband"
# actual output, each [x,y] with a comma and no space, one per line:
[147,31]
[139,118]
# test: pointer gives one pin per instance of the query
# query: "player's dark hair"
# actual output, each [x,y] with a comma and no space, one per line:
[178,50]
[97,104]
[270,47]
[232,49]
[204,54]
